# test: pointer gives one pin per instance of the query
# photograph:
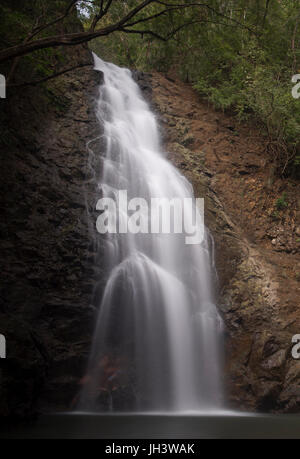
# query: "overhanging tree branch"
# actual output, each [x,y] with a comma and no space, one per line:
[69,39]
[122,25]
[145,32]
[149,18]
[174,31]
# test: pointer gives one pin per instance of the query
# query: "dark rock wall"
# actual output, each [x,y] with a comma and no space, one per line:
[48,265]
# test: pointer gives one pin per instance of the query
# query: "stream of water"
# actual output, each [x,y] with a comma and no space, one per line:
[158,336]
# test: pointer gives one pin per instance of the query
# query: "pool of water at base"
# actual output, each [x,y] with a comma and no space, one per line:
[189,425]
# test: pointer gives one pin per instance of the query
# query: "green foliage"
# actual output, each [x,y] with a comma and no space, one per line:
[252,77]
[18,20]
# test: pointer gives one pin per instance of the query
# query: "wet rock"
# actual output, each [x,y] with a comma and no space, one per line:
[99,77]
[290,396]
[144,81]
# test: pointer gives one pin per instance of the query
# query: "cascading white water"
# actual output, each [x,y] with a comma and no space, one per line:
[157,338]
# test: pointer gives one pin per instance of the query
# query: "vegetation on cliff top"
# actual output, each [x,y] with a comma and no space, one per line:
[240,55]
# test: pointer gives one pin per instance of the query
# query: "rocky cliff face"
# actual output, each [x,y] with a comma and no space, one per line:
[48,265]
[259,291]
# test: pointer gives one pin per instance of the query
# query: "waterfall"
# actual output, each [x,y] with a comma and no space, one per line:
[156,344]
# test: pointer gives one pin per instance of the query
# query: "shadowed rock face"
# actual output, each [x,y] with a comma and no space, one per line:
[48,268]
